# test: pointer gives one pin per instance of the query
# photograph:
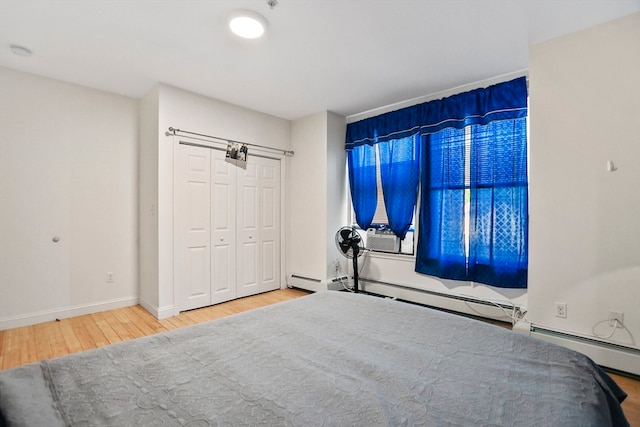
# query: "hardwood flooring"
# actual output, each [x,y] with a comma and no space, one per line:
[30,344]
[631,405]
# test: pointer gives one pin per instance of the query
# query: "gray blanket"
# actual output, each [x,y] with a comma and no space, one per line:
[332,359]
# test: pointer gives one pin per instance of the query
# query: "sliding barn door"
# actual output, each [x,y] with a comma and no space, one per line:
[192,230]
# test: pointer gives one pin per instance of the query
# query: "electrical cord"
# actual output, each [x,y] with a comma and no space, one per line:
[615,326]
[515,315]
[346,286]
[365,256]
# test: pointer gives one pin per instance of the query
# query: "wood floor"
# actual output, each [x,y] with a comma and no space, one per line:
[30,344]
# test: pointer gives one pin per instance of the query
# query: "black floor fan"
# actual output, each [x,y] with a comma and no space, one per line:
[351,246]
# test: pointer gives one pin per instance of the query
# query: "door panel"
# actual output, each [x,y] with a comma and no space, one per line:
[198,272]
[223,225]
[268,263]
[192,211]
[248,230]
[249,273]
[269,181]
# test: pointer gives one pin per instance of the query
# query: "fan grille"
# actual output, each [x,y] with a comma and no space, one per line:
[348,240]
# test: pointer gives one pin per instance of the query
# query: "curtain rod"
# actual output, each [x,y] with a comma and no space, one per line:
[174,131]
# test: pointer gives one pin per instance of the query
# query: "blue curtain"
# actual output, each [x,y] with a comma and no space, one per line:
[399,124]
[503,101]
[399,173]
[441,245]
[495,181]
[498,252]
[361,162]
[496,187]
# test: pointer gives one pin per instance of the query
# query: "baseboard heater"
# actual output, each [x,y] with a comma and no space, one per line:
[607,354]
[441,300]
[316,285]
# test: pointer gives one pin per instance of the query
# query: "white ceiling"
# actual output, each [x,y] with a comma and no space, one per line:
[345,56]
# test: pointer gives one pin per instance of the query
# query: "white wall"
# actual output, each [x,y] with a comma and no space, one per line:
[337,194]
[148,268]
[318,198]
[585,220]
[308,198]
[177,108]
[68,160]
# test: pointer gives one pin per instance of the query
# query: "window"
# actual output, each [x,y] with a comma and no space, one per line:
[380,219]
[474,222]
[472,147]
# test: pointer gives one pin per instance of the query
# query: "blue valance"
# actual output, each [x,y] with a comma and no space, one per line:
[502,101]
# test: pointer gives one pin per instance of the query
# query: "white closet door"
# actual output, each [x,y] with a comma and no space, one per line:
[192,213]
[223,226]
[269,187]
[227,227]
[248,229]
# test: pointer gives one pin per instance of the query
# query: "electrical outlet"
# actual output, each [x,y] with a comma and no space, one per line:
[561,309]
[109,277]
[616,315]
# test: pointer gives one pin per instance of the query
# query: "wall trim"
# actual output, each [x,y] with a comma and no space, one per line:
[441,300]
[607,354]
[158,312]
[316,285]
[9,322]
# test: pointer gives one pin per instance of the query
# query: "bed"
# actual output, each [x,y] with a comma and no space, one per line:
[327,359]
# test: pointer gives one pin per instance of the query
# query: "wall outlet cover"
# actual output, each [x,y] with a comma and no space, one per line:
[561,309]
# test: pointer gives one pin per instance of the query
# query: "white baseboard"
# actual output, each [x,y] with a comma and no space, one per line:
[621,358]
[9,322]
[158,312]
[315,285]
[444,301]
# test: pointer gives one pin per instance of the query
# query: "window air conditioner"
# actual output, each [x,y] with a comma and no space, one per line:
[382,241]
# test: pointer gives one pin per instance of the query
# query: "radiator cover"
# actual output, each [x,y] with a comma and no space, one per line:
[316,285]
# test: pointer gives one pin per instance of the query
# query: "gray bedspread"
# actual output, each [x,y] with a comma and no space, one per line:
[327,359]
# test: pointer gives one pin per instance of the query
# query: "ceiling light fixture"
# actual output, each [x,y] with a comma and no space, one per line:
[247,24]
[20,51]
